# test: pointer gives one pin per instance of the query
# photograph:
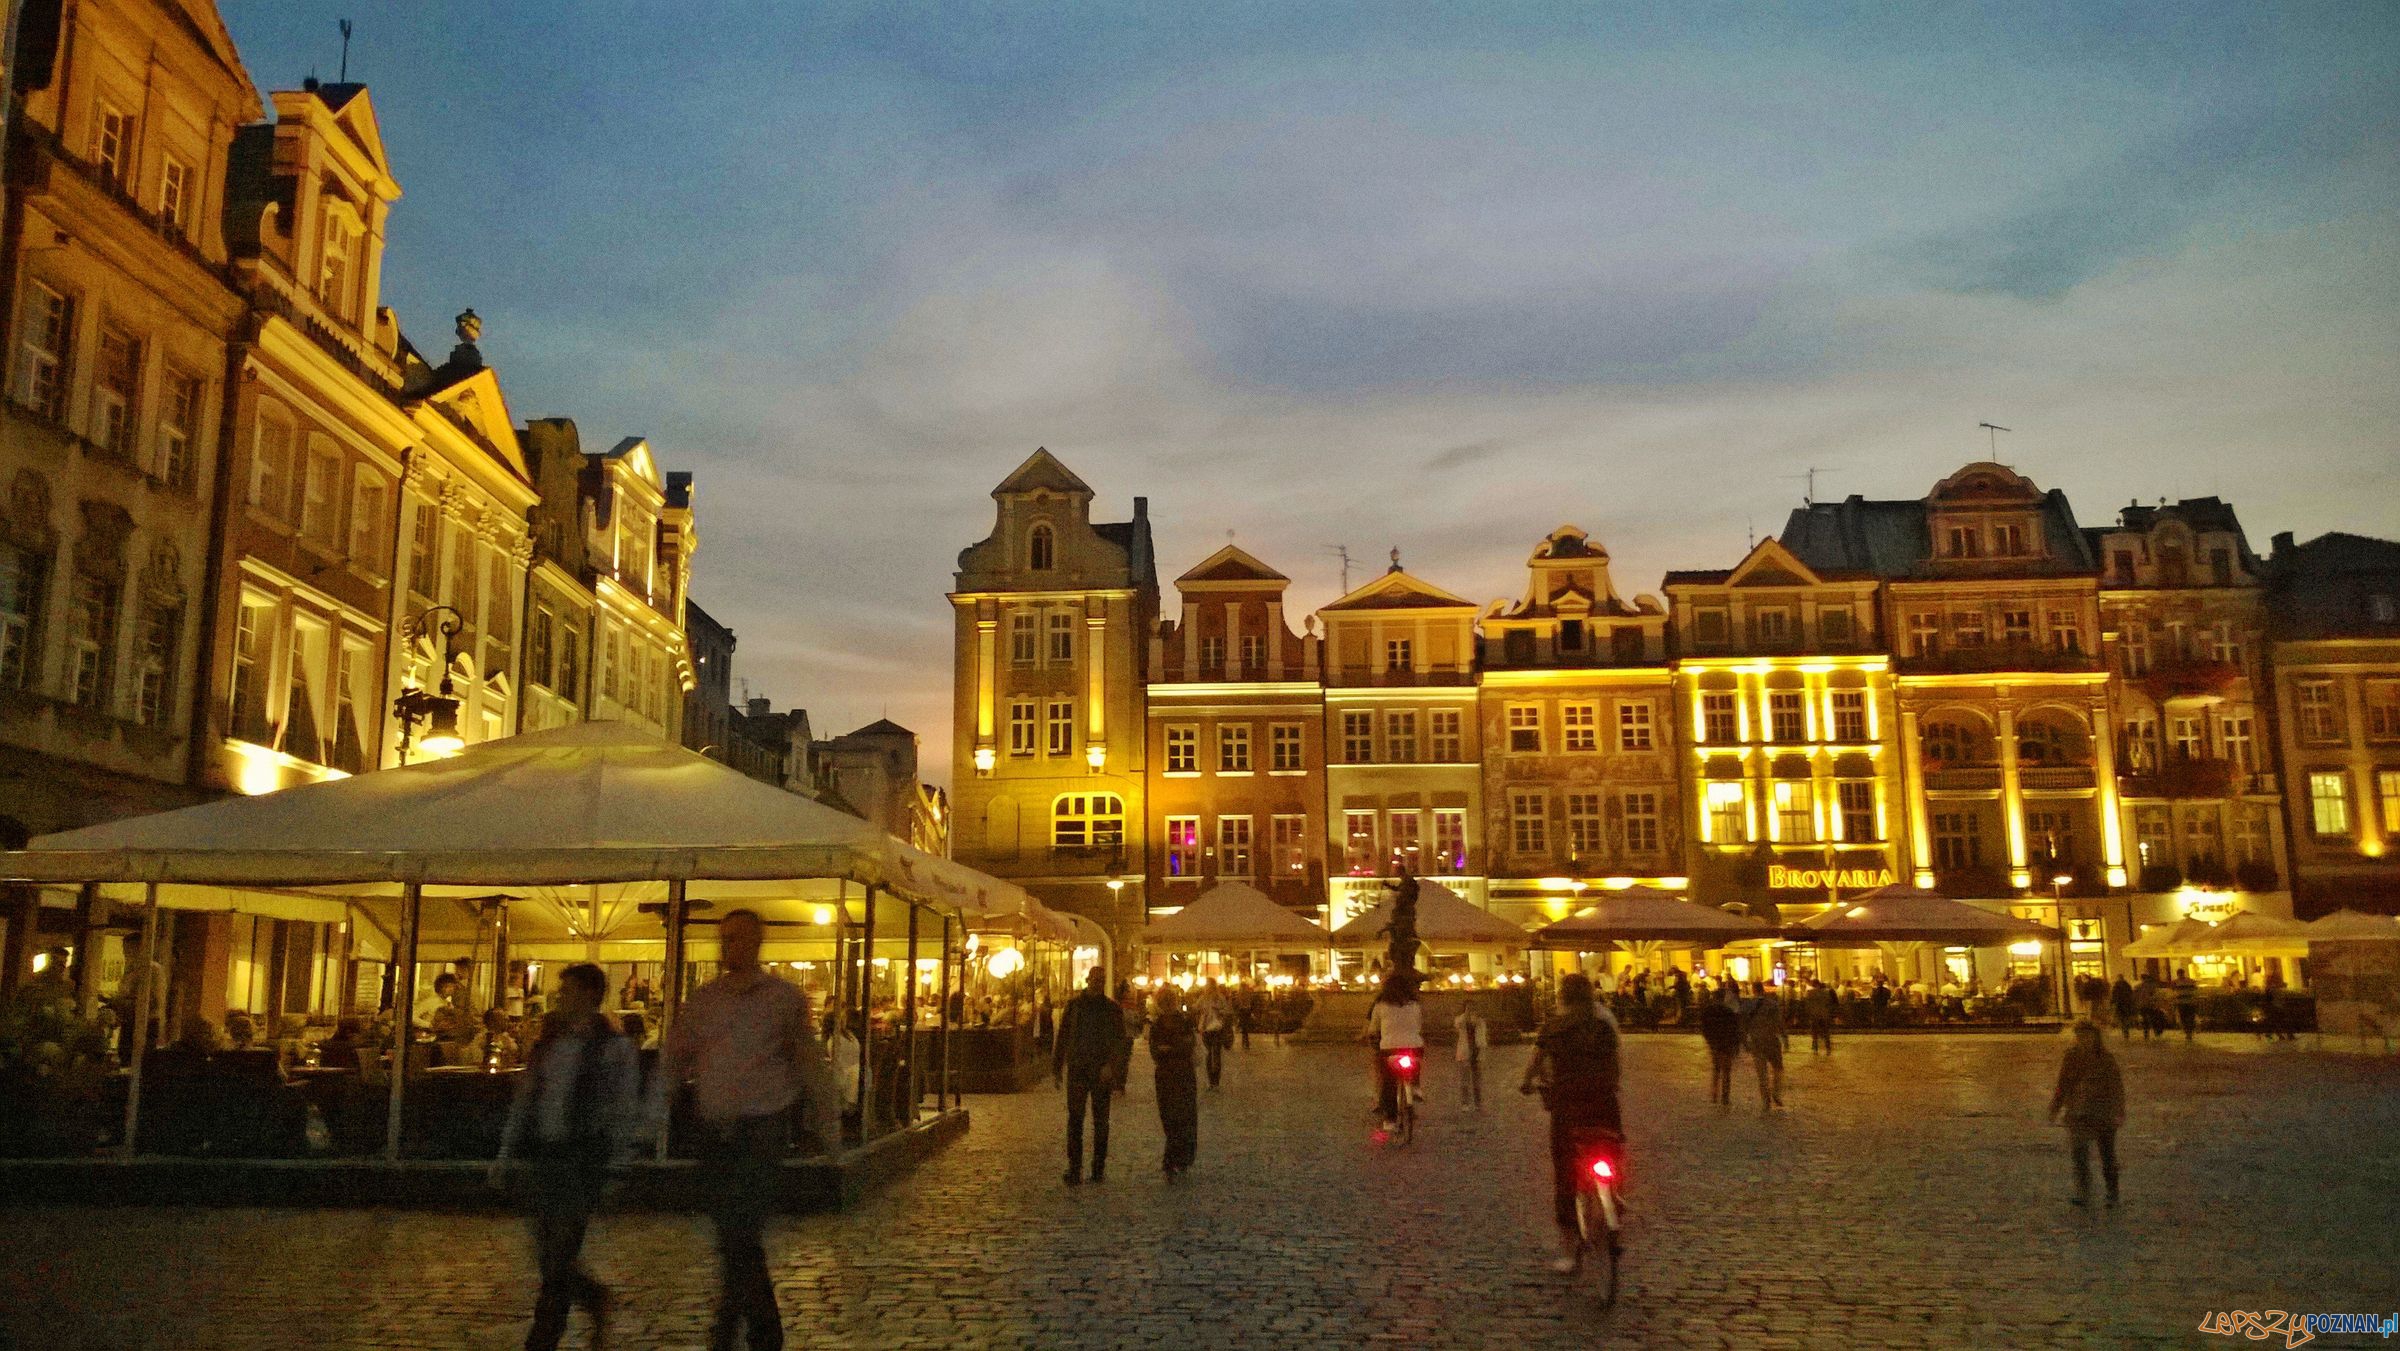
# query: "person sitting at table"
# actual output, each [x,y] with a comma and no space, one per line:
[241,1031]
[340,1051]
[493,1047]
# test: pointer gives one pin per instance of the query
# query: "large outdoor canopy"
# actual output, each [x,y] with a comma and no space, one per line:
[2248,934]
[1647,915]
[1444,919]
[1233,916]
[1898,914]
[2354,926]
[2175,940]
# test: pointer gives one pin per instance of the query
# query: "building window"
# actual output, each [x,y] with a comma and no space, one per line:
[1795,813]
[2382,698]
[1183,749]
[1586,837]
[2320,716]
[1088,821]
[91,639]
[2133,647]
[1774,627]
[2203,838]
[154,664]
[303,719]
[1525,729]
[1233,846]
[2225,644]
[178,422]
[1963,541]
[1358,831]
[1398,655]
[112,147]
[2239,744]
[175,194]
[1857,799]
[1407,830]
[2141,743]
[570,661]
[22,578]
[1286,750]
[271,468]
[1850,716]
[116,391]
[2251,838]
[1641,823]
[1924,634]
[1024,643]
[1450,840]
[1570,635]
[1516,647]
[2008,541]
[2016,627]
[1718,722]
[333,280]
[44,350]
[1358,736]
[1059,737]
[1728,812]
[319,478]
[350,697]
[1062,638]
[2066,631]
[2120,566]
[1400,736]
[1579,726]
[1636,725]
[1041,549]
[370,505]
[1020,727]
[1449,736]
[612,656]
[424,521]
[540,626]
[2387,798]
[1711,628]
[2190,740]
[1254,655]
[1183,846]
[1212,655]
[1787,714]
[1966,630]
[2153,842]
[1290,842]
[1529,823]
[1957,840]
[2050,843]
[2329,803]
[1233,748]
[1834,628]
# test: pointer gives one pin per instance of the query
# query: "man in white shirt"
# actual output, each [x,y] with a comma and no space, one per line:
[744,1044]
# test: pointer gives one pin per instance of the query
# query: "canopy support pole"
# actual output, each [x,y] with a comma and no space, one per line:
[143,993]
[404,1011]
[866,1025]
[672,979]
[941,1095]
[908,1020]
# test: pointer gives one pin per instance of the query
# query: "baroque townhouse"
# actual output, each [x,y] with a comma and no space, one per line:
[1785,702]
[2183,628]
[1051,615]
[119,314]
[1236,741]
[2335,658]
[1581,785]
[1403,749]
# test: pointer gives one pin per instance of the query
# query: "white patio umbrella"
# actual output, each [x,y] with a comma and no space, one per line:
[1644,915]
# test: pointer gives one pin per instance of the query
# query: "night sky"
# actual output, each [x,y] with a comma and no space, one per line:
[1438,277]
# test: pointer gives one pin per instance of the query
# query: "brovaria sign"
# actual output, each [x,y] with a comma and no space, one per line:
[1781,878]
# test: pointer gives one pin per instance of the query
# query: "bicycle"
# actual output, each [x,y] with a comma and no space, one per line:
[1403,1064]
[1599,1214]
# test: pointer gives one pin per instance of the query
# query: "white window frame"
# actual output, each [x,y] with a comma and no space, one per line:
[1637,725]
[1287,748]
[1579,727]
[1587,825]
[1400,746]
[1524,729]
[1529,823]
[1182,848]
[1448,743]
[1023,728]
[1233,748]
[1183,748]
[1235,837]
[2329,813]
[1641,823]
[1058,728]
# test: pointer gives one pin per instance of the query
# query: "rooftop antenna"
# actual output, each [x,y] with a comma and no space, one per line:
[345,51]
[1343,550]
[1810,477]
[1994,429]
[1751,524]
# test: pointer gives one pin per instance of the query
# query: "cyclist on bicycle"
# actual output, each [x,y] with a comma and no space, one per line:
[1395,1024]
[1575,1069]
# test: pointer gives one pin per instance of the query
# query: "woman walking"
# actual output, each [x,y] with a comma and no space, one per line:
[1174,1059]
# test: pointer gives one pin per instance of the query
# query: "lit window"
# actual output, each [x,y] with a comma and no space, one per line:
[2329,803]
[1407,831]
[1087,821]
[1183,750]
[1795,812]
[1450,839]
[1728,812]
[1183,846]
[1359,853]
[2387,797]
[1291,846]
[1579,726]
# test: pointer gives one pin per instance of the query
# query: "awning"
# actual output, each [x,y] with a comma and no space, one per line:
[1444,919]
[2353,926]
[1645,915]
[1233,916]
[1897,914]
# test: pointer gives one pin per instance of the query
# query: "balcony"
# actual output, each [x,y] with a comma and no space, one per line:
[2181,779]
[1996,657]
[1435,677]
[2190,680]
[2052,778]
[1962,778]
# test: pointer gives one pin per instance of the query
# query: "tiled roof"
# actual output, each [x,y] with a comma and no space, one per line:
[1042,471]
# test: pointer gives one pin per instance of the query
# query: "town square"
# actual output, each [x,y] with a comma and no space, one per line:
[973,675]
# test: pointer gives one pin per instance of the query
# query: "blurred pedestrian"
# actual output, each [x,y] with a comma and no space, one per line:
[1819,1009]
[2120,1003]
[2187,1002]
[1087,1058]
[2091,1098]
[1721,1029]
[1474,1037]
[1215,1016]
[572,1118]
[744,1043]
[1762,1030]
[1173,1060]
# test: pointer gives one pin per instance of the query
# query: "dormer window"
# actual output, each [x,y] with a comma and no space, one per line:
[1041,549]
[336,267]
[2008,541]
[1570,635]
[1964,541]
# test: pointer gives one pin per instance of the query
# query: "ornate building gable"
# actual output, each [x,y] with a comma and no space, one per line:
[1044,539]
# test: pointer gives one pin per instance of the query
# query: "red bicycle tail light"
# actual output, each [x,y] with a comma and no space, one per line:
[1603,1169]
[1406,1062]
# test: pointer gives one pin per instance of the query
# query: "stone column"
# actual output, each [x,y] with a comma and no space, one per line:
[1912,780]
[2012,798]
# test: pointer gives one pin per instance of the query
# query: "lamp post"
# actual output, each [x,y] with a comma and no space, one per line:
[438,710]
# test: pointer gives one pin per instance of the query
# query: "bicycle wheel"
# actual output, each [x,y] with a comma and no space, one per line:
[1407,1129]
[1612,1240]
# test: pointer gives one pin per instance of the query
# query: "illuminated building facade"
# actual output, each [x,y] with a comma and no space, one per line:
[2335,658]
[1581,783]
[1785,702]
[1236,741]
[1052,614]
[1403,750]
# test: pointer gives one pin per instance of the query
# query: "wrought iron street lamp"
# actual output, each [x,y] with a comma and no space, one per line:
[438,710]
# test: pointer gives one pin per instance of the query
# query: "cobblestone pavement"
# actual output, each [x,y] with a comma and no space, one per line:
[1911,1196]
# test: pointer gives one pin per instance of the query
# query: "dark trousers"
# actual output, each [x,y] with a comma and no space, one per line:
[742,1161]
[1820,1034]
[1179,1114]
[2189,1016]
[1216,1056]
[2081,1139]
[1570,1133]
[566,1190]
[1087,1089]
[1720,1073]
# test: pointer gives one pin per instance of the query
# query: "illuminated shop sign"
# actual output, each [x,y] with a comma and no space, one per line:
[1781,878]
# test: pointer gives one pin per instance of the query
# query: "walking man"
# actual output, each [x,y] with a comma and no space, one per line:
[744,1044]
[1177,1082]
[572,1118]
[2187,1002]
[1474,1038]
[1721,1028]
[1088,1057]
[1762,1030]
[1819,1007]
[2091,1096]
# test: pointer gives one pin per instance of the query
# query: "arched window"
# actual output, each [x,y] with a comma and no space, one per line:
[1087,821]
[1040,549]
[1945,744]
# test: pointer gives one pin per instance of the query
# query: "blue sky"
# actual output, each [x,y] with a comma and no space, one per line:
[1437,277]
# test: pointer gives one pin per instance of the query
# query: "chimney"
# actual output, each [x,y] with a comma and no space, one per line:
[760,706]
[2282,543]
[1141,508]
